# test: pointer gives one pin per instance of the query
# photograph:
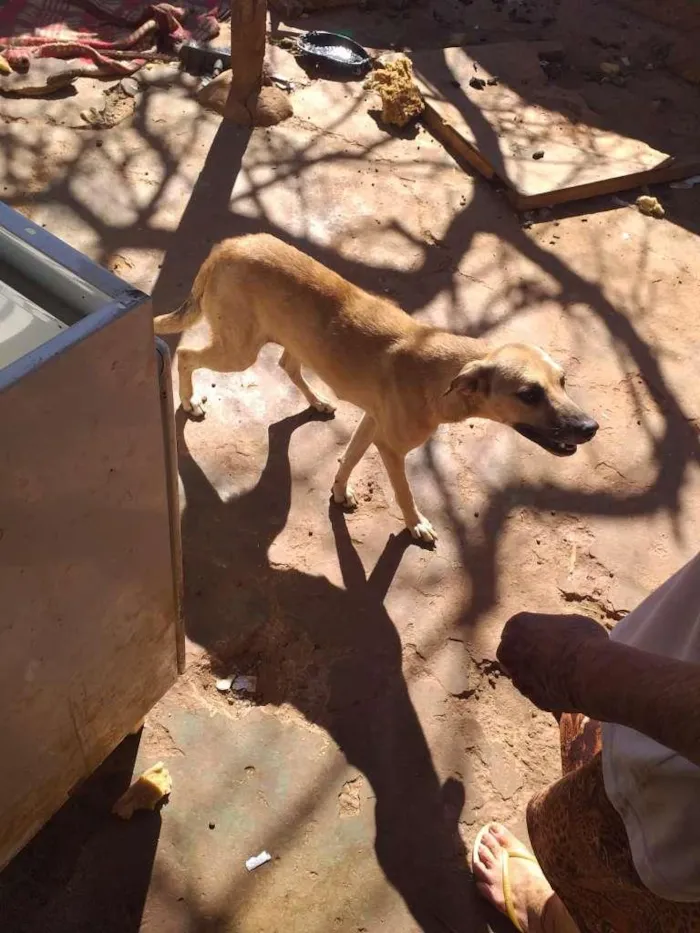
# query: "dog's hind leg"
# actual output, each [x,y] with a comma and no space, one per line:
[187,362]
[355,451]
[212,357]
[292,367]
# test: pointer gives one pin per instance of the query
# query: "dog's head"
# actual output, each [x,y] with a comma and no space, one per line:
[520,385]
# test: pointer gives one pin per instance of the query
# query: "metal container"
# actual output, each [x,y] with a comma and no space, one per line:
[91,631]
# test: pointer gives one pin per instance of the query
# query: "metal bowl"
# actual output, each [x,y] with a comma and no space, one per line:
[334,51]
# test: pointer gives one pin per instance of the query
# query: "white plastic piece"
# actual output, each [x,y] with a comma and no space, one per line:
[224,684]
[255,861]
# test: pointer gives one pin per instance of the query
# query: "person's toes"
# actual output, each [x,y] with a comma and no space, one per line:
[485,855]
[491,842]
[485,850]
[505,839]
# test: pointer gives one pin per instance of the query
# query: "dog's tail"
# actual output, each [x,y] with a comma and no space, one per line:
[180,319]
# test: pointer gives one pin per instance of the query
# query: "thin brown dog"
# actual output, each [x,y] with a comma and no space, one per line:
[408,378]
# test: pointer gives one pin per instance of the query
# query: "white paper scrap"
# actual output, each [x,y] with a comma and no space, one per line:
[255,861]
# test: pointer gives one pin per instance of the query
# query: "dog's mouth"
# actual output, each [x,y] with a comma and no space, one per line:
[547,442]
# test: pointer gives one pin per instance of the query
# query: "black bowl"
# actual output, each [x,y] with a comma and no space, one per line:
[334,51]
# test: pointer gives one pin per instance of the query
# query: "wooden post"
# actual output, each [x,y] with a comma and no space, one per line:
[238,94]
[248,26]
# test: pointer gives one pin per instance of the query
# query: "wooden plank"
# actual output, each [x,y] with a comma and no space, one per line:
[462,123]
[458,147]
[499,128]
[89,634]
[672,170]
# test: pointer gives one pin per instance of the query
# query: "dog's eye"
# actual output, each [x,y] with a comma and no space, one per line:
[531,395]
[562,381]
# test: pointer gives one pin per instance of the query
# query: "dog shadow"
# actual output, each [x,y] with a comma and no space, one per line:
[334,653]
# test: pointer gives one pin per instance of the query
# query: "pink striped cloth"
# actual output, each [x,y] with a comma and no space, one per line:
[108,36]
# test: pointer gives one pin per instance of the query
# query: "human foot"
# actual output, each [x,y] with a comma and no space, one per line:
[509,877]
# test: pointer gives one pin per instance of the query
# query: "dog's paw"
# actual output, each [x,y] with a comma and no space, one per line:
[344,497]
[194,406]
[423,531]
[323,406]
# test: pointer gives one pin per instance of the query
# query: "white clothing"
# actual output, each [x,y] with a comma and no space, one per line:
[655,790]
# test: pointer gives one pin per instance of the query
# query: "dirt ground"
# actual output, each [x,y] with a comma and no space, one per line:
[381,734]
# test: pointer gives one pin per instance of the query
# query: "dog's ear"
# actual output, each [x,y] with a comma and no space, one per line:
[475,377]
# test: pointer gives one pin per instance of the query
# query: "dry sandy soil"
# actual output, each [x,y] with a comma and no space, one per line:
[382,733]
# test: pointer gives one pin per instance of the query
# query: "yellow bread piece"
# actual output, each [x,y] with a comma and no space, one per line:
[147,791]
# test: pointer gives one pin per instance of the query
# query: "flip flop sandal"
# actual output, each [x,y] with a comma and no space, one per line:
[506,856]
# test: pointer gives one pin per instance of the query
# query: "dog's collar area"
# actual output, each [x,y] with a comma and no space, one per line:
[548,443]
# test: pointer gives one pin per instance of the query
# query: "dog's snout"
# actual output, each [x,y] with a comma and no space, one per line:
[587,428]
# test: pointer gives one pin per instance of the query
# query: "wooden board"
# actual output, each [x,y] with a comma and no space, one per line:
[497,130]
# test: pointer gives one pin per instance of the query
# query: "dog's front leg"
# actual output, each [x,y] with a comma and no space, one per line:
[417,524]
[292,367]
